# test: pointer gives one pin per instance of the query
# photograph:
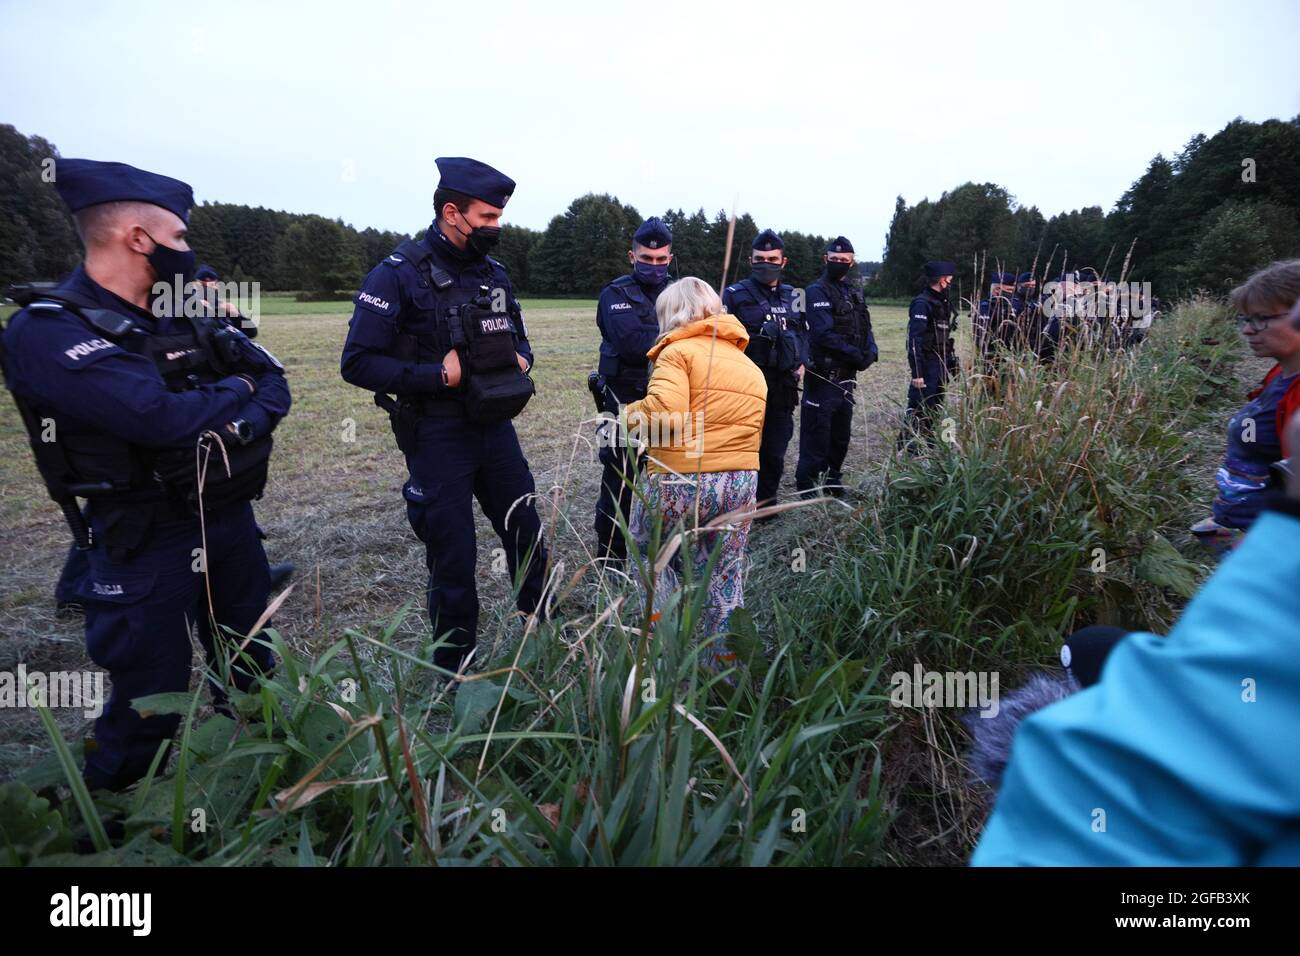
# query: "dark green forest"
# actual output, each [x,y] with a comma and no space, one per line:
[1202,220]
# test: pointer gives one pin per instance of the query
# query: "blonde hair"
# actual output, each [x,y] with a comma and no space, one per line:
[685,301]
[1275,286]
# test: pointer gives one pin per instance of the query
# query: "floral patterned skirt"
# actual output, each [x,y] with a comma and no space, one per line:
[676,497]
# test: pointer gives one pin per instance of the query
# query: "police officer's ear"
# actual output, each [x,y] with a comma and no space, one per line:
[136,239]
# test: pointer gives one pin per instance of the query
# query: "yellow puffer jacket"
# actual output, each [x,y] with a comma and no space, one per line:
[703,409]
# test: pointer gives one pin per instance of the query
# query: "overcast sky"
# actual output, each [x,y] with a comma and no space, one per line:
[810,116]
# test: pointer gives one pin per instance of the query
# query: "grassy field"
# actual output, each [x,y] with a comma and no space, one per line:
[334,507]
[972,557]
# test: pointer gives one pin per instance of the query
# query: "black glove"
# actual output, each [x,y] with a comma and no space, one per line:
[232,351]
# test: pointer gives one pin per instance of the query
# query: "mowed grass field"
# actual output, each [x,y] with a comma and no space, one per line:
[334,505]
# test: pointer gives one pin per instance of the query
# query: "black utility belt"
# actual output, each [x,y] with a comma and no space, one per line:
[435,407]
[634,387]
[161,505]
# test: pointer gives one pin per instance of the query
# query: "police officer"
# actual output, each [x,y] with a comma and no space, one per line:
[625,316]
[995,321]
[437,325]
[1033,327]
[777,344]
[1063,307]
[209,281]
[76,565]
[130,394]
[840,344]
[931,355]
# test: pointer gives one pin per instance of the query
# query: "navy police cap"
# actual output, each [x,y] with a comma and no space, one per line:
[937,268]
[653,234]
[205,272]
[89,182]
[840,244]
[767,240]
[477,180]
[1024,277]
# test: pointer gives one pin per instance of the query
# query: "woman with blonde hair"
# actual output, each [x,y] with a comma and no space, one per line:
[1257,433]
[701,424]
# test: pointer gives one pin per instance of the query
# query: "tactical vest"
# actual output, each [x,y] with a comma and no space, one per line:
[999,325]
[629,381]
[443,316]
[131,485]
[775,347]
[850,319]
[938,337]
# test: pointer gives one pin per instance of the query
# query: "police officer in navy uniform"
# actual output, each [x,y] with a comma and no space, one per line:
[76,566]
[840,344]
[438,335]
[777,344]
[131,393]
[931,352]
[625,316]
[1033,328]
[995,319]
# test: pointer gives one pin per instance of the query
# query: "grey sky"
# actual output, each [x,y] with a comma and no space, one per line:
[810,116]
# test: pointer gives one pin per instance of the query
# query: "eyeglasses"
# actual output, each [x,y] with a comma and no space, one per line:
[1258,323]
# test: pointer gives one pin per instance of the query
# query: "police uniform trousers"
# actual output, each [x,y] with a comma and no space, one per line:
[616,493]
[75,568]
[141,607]
[825,425]
[778,429]
[453,462]
[923,403]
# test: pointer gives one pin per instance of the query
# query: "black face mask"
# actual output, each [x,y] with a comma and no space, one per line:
[838,270]
[482,239]
[765,272]
[169,263]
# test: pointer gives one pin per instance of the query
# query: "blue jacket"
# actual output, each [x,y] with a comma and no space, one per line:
[1188,749]
[753,303]
[930,351]
[396,337]
[833,344]
[625,316]
[62,365]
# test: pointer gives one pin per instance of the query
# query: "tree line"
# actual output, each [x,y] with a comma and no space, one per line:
[1205,219]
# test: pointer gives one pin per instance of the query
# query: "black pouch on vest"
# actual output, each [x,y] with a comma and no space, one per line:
[775,348]
[496,388]
[249,465]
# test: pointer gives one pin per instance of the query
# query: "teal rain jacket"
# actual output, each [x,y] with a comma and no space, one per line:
[1187,752]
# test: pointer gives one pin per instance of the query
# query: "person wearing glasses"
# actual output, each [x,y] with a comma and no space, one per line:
[1257,445]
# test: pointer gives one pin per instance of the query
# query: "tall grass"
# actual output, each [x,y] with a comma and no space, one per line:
[597,739]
